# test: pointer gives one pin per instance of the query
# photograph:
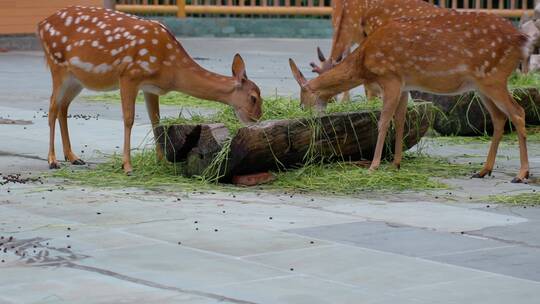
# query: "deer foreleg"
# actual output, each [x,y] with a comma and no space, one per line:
[128,93]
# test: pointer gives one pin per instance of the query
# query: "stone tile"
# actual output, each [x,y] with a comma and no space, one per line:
[297,290]
[430,215]
[404,240]
[525,234]
[70,286]
[494,289]
[173,265]
[518,261]
[228,239]
[370,270]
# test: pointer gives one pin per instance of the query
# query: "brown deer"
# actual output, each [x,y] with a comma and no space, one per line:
[103,50]
[353,20]
[447,54]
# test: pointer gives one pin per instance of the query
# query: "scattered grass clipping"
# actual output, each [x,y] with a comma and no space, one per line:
[532,199]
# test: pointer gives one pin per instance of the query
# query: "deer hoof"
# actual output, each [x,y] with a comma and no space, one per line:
[517,180]
[54,165]
[129,173]
[78,162]
[477,175]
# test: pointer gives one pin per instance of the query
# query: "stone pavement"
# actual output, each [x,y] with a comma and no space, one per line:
[66,243]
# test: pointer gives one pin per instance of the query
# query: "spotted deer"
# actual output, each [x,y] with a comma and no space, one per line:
[353,20]
[448,54]
[101,49]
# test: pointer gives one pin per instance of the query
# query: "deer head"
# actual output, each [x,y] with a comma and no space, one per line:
[308,97]
[246,97]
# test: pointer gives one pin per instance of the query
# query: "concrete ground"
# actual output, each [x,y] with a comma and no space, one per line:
[66,243]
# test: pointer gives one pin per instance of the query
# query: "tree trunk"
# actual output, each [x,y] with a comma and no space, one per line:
[465,115]
[283,144]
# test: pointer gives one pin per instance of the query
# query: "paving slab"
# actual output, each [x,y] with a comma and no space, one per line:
[442,217]
[409,241]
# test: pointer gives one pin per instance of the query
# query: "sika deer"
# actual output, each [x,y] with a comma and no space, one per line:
[353,20]
[448,54]
[103,50]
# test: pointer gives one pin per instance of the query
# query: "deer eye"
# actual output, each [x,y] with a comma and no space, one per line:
[253,99]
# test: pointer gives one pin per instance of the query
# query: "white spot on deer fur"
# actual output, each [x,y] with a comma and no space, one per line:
[95,43]
[136,26]
[154,41]
[103,26]
[86,30]
[167,63]
[145,65]
[76,62]
[107,32]
[109,39]
[77,20]
[132,43]
[153,59]
[125,34]
[141,41]
[69,19]
[68,48]
[117,36]
[169,46]
[63,15]
[54,44]
[119,19]
[102,68]
[58,55]
[64,39]
[143,52]
[127,59]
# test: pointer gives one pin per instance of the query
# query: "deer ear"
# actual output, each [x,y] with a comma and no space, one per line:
[239,68]
[297,74]
[320,55]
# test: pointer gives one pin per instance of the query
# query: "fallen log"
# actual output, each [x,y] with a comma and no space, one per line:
[282,144]
[465,115]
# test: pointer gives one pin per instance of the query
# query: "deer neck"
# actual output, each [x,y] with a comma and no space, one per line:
[192,79]
[344,76]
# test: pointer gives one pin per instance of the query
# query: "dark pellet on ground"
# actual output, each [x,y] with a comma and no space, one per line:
[312,242]
[67,235]
[215,230]
[98,213]
[270,218]
[292,269]
[179,243]
[223,211]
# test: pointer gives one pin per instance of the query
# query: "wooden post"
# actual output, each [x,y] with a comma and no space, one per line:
[181,13]
[110,4]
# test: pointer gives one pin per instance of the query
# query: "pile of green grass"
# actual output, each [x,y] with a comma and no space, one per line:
[274,108]
[520,80]
[417,173]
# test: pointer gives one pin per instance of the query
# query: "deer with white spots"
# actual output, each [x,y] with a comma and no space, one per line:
[103,50]
[353,20]
[447,54]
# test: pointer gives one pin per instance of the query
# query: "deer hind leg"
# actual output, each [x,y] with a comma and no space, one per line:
[504,102]
[57,81]
[499,120]
[69,90]
[399,122]
[391,97]
[152,106]
[128,94]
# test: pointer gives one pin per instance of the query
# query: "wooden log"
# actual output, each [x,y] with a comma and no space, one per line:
[282,144]
[465,115]
[212,137]
[177,140]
